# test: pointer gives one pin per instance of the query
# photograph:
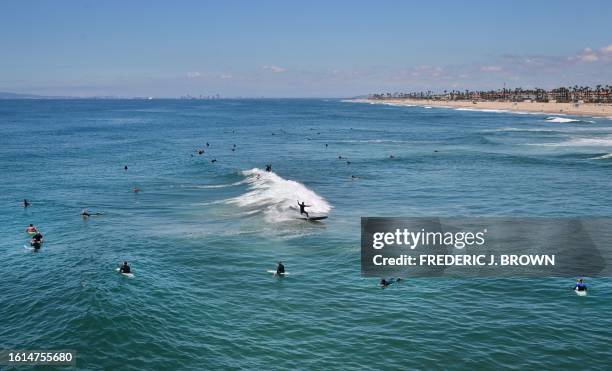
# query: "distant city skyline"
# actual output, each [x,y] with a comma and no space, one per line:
[291,49]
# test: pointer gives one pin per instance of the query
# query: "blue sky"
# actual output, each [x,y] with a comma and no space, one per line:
[299,48]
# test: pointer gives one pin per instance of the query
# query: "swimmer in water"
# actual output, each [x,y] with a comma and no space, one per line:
[25,203]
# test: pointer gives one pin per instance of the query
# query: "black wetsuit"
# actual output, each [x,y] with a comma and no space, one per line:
[125,269]
[303,207]
[280,269]
[36,241]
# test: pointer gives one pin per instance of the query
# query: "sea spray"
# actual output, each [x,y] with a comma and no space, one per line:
[277,197]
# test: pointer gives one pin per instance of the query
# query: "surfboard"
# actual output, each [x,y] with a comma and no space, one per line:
[580,293]
[30,248]
[129,275]
[314,218]
[274,272]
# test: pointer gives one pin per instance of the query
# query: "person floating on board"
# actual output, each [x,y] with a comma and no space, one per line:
[36,240]
[86,214]
[303,207]
[125,168]
[31,229]
[280,269]
[580,285]
[269,167]
[384,283]
[25,203]
[125,268]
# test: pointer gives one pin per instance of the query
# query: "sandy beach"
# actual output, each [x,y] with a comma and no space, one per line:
[583,109]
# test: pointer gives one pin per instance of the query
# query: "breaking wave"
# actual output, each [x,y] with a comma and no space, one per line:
[276,198]
[566,120]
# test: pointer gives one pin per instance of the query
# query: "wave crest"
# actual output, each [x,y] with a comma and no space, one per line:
[277,197]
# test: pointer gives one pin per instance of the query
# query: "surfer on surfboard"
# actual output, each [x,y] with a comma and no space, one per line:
[280,269]
[384,283]
[125,268]
[303,207]
[580,285]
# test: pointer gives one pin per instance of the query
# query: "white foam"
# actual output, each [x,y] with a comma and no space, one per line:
[582,142]
[277,197]
[565,120]
[482,110]
[603,157]
[213,186]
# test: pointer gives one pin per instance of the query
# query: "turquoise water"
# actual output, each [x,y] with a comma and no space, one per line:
[201,235]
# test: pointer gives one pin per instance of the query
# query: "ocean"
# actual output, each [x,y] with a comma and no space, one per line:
[200,235]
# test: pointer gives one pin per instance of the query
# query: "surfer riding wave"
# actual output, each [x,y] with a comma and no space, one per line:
[275,197]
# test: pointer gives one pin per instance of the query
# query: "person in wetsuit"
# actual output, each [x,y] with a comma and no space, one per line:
[580,285]
[303,207]
[25,203]
[36,240]
[269,167]
[384,283]
[280,269]
[125,268]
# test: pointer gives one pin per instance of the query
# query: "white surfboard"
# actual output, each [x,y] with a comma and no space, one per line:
[129,275]
[274,272]
[580,293]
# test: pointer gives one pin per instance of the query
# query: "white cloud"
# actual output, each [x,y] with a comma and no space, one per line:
[275,69]
[606,49]
[226,76]
[193,75]
[589,57]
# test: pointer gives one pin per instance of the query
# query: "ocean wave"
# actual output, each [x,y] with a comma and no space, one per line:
[580,142]
[276,198]
[566,120]
[602,157]
[482,110]
[213,186]
[535,130]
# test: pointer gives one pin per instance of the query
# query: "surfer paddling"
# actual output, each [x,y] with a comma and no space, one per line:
[384,283]
[303,207]
[280,269]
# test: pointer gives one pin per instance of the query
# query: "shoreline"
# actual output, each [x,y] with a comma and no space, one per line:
[582,109]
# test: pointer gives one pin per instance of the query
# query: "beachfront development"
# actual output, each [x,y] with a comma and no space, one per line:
[572,101]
